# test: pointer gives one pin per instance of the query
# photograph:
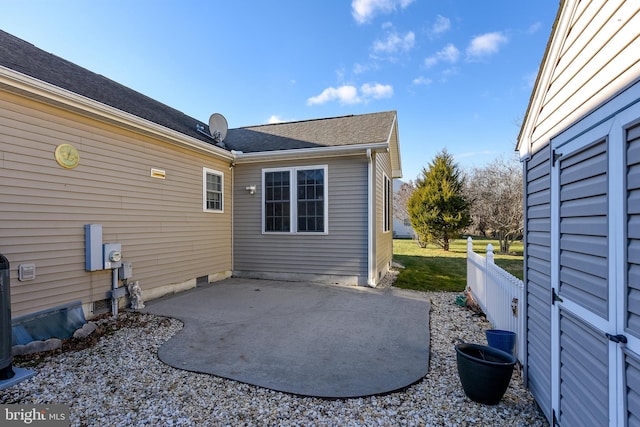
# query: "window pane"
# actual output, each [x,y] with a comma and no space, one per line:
[213,192]
[277,206]
[310,201]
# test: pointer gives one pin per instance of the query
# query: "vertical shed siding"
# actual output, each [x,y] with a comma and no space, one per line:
[341,252]
[598,58]
[633,232]
[584,228]
[160,223]
[538,273]
[632,319]
[384,239]
[632,376]
[584,374]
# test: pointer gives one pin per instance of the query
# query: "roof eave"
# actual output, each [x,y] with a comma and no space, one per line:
[307,153]
[545,71]
[394,149]
[24,85]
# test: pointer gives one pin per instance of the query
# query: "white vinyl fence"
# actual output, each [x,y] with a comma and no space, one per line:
[498,293]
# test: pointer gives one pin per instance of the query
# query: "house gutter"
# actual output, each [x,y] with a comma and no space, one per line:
[307,153]
[27,86]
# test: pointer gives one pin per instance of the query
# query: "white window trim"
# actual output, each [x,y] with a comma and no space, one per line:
[206,171]
[387,209]
[293,201]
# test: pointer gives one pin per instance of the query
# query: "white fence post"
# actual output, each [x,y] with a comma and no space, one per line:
[490,255]
[498,293]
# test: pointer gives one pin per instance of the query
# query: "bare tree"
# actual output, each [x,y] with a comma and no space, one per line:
[400,200]
[496,195]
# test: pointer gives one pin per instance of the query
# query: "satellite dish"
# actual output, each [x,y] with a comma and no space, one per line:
[218,127]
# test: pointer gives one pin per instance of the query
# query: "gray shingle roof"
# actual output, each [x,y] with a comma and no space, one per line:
[26,58]
[329,132]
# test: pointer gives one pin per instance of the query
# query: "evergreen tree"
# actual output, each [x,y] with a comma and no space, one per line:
[438,208]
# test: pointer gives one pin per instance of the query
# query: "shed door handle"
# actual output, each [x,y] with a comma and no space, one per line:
[617,338]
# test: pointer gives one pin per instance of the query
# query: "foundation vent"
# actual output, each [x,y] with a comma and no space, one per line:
[102,306]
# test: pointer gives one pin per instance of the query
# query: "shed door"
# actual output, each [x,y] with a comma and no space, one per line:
[580,280]
[596,275]
[632,277]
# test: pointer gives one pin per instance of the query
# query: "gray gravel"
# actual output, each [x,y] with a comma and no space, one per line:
[120,381]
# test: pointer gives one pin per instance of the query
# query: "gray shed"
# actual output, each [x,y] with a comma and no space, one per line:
[580,145]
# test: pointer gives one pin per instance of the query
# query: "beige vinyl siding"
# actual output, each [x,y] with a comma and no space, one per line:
[598,58]
[384,239]
[43,207]
[342,252]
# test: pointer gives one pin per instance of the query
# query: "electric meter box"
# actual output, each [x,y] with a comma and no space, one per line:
[112,255]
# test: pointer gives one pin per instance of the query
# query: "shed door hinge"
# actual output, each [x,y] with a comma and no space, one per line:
[618,339]
[555,297]
[554,157]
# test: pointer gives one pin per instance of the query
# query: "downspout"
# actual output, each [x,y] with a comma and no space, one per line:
[525,293]
[371,238]
[233,214]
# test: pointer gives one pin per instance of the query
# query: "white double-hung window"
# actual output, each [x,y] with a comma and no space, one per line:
[295,200]
[212,190]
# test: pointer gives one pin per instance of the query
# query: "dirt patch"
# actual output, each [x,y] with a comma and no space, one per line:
[105,326]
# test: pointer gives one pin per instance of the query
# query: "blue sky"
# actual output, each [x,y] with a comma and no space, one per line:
[458,72]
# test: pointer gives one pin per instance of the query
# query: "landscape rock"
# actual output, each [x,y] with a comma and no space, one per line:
[36,347]
[86,330]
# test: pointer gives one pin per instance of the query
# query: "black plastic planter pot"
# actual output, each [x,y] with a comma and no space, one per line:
[484,372]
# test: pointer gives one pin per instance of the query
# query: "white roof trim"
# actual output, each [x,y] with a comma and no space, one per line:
[396,173]
[308,153]
[558,37]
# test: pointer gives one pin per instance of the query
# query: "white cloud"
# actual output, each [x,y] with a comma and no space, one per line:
[486,44]
[441,25]
[364,10]
[360,68]
[422,81]
[395,43]
[449,54]
[275,119]
[534,27]
[348,94]
[430,61]
[376,91]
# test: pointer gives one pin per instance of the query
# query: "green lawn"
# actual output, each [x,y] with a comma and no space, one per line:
[432,269]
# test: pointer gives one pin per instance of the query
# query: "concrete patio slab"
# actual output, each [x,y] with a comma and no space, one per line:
[301,338]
